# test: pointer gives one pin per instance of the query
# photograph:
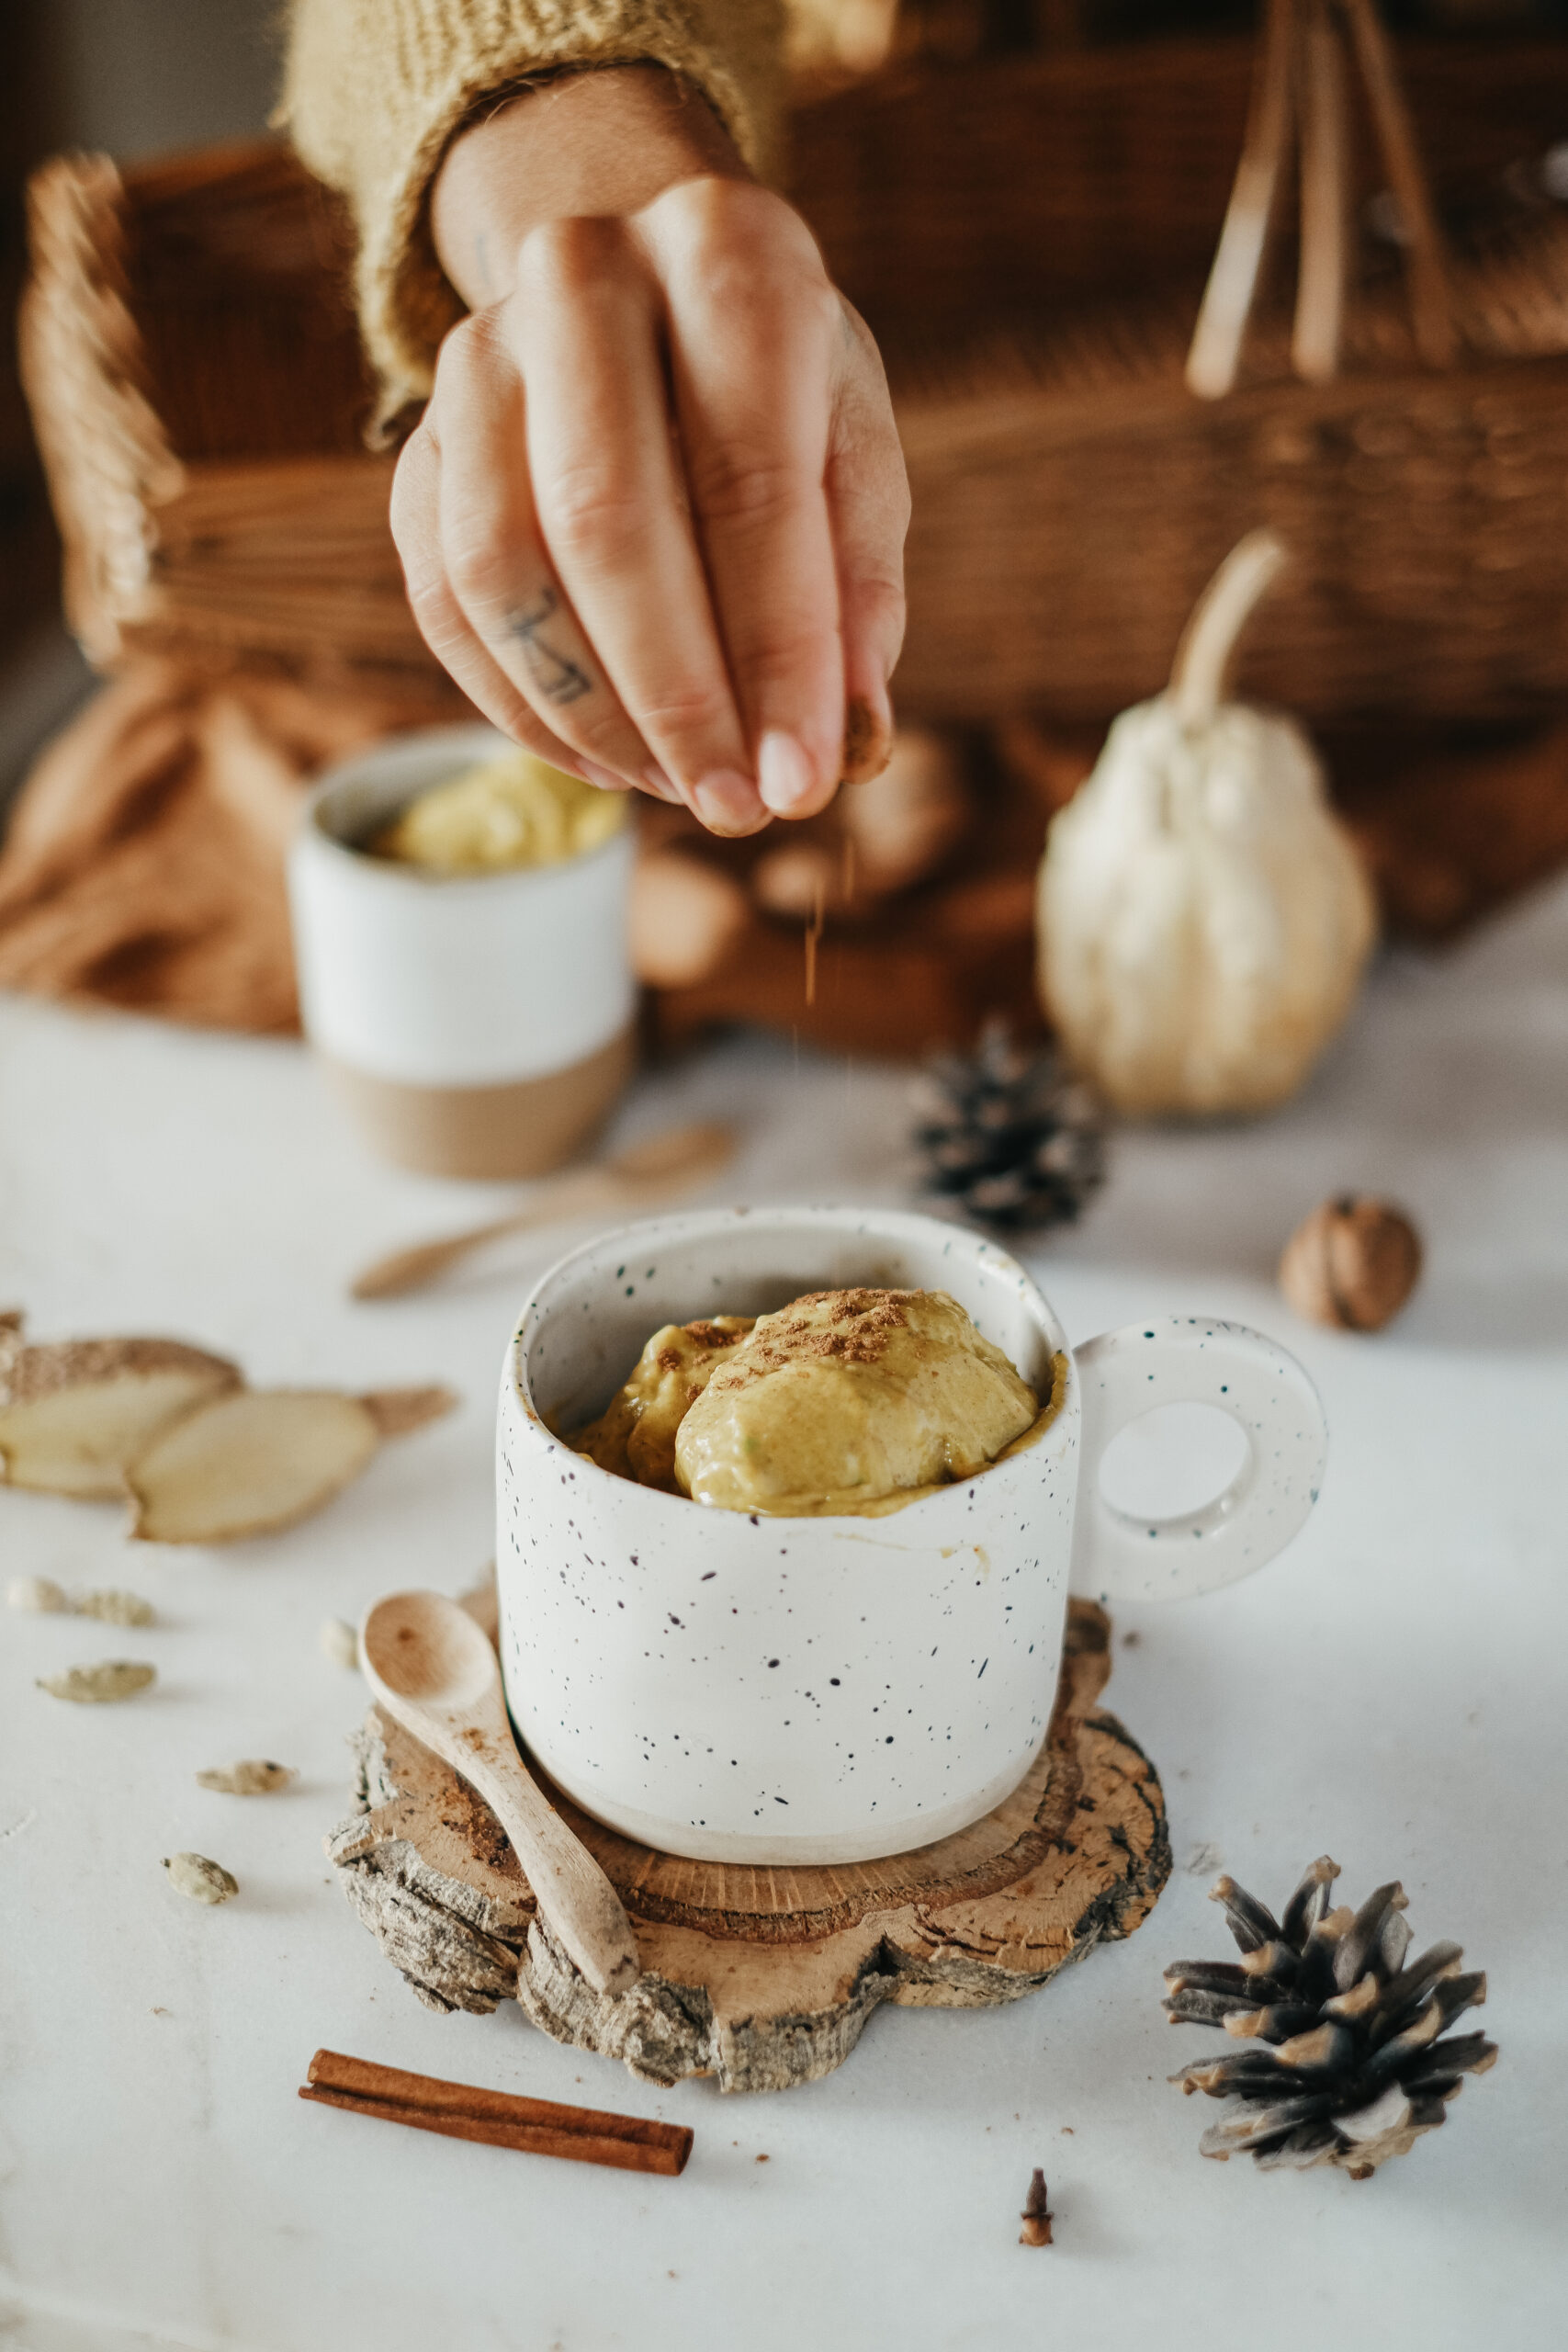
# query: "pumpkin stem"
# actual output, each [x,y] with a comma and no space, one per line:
[1221,612]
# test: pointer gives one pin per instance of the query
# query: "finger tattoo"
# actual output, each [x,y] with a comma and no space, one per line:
[558,677]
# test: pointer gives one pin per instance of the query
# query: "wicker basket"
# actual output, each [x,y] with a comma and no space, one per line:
[1028,237]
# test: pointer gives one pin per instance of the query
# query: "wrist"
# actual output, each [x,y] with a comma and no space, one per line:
[602,141]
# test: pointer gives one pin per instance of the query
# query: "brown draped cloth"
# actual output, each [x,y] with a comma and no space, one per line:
[144,863]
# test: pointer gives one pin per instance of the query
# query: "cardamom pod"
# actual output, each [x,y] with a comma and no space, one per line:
[340,1642]
[38,1593]
[252,1777]
[115,1677]
[113,1607]
[202,1880]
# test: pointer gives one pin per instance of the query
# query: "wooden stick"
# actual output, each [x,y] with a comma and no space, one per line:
[465,2111]
[1228,296]
[1430,310]
[1324,196]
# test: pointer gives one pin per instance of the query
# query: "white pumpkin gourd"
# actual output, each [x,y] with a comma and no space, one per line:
[1204,918]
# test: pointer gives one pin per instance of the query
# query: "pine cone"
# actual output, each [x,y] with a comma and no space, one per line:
[1010,1134]
[1341,2059]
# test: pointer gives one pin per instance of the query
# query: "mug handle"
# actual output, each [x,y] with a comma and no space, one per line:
[1192,1359]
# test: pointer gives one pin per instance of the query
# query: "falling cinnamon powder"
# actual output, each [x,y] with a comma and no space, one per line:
[813,933]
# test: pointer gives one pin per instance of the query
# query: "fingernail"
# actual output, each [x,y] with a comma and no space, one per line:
[784,775]
[605,778]
[663,787]
[726,802]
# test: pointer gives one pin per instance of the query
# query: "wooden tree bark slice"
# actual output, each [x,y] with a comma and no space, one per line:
[766,1977]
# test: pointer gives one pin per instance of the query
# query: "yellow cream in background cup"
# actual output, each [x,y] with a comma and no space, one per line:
[761,1689]
[474,1025]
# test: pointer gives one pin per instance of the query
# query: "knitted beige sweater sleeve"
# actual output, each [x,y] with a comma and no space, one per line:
[376,89]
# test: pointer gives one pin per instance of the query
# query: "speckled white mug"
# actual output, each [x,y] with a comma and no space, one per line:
[749,1689]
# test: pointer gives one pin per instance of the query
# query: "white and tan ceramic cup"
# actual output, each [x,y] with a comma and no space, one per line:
[782,1691]
[474,1025]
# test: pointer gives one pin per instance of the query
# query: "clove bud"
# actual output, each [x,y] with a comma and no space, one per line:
[1036,2214]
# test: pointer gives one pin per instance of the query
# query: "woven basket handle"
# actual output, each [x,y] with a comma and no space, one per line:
[1431,311]
[1232,280]
[1300,82]
[1324,197]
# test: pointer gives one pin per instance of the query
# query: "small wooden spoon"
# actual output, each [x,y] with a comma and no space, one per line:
[672,1162]
[433,1671]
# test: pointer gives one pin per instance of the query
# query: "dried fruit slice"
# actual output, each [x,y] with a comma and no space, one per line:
[246,1463]
[74,1416]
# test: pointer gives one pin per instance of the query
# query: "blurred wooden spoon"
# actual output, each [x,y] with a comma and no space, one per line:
[673,1161]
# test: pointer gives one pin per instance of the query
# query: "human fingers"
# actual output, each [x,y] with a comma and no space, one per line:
[415,511]
[754,330]
[612,509]
[495,561]
[868,498]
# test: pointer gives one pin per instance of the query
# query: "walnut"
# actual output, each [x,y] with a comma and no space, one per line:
[1352,1263]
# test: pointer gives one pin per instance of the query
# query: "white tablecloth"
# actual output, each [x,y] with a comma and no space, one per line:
[1391,1692]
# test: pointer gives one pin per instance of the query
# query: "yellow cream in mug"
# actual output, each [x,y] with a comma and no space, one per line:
[510,811]
[635,1436]
[852,1401]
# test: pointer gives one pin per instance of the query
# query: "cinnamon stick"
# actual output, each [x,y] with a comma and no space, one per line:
[465,2111]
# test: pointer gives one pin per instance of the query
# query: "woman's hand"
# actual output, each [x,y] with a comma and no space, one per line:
[653,519]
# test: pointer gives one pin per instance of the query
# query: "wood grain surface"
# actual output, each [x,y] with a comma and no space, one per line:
[766,1977]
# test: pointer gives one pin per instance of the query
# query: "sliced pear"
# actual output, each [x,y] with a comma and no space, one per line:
[75,1415]
[249,1462]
